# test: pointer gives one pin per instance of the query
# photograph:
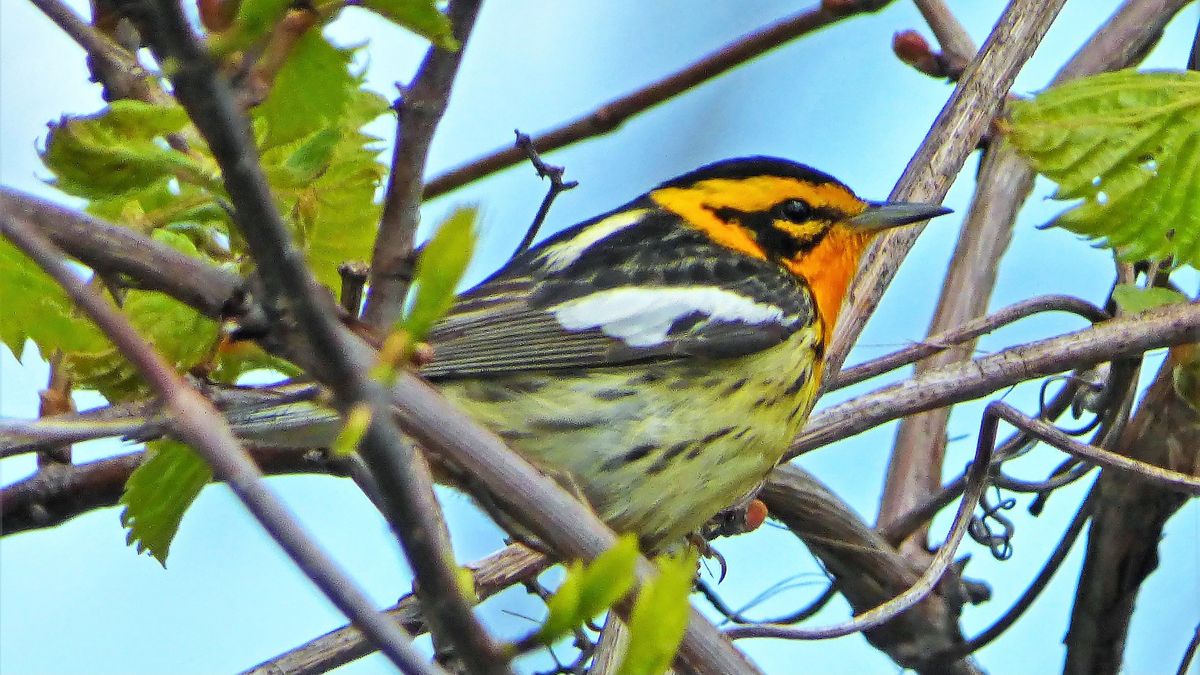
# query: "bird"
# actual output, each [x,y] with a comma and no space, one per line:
[659,358]
[656,359]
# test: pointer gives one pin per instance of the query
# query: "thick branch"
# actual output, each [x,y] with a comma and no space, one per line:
[1129,516]
[109,249]
[954,135]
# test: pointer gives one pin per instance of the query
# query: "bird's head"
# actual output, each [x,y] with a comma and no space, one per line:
[806,221]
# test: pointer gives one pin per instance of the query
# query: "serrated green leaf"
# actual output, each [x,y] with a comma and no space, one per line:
[660,616]
[438,271]
[36,308]
[590,589]
[1127,146]
[158,493]
[119,150]
[419,16]
[1135,299]
[310,92]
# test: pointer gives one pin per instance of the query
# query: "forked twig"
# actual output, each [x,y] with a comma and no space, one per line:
[557,187]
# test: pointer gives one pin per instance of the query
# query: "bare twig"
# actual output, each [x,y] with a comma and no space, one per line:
[873,618]
[967,331]
[1032,591]
[130,80]
[418,109]
[403,478]
[557,186]
[1194,644]
[1163,478]
[612,114]
[339,647]
[193,416]
[953,136]
[957,45]
[1106,341]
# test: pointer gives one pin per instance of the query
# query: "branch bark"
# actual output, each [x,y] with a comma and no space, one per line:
[418,110]
[1004,183]
[1129,516]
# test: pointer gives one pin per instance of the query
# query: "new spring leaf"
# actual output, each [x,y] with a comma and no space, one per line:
[1126,146]
[438,271]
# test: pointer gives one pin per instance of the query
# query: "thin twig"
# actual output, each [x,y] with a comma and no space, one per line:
[1032,591]
[967,331]
[1113,339]
[957,46]
[976,482]
[557,187]
[131,80]
[403,478]
[343,645]
[736,616]
[418,110]
[194,417]
[1194,644]
[612,114]
[1164,478]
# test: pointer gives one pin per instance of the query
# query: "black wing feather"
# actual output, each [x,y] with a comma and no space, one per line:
[506,324]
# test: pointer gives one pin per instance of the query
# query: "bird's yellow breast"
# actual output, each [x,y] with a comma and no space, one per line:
[658,448]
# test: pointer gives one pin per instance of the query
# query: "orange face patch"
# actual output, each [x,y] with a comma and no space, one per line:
[829,267]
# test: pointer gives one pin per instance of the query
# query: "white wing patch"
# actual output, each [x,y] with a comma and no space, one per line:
[641,317]
[561,255]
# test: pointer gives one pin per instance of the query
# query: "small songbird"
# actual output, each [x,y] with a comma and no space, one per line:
[659,358]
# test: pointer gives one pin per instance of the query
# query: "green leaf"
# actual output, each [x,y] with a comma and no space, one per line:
[119,150]
[590,589]
[438,271]
[659,617]
[254,19]
[1135,299]
[158,493]
[310,92]
[36,308]
[1126,146]
[419,16]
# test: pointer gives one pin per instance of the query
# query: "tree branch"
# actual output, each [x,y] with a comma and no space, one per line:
[194,417]
[1113,339]
[418,109]
[403,478]
[614,113]
[954,135]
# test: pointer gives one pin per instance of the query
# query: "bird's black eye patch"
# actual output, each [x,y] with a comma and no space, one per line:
[795,210]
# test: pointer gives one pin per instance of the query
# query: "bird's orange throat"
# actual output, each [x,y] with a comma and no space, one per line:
[829,267]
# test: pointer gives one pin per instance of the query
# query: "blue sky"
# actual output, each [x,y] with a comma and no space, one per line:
[75,599]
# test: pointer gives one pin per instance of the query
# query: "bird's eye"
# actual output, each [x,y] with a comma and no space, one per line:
[794,210]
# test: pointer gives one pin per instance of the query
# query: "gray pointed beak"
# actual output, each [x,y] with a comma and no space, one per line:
[882,215]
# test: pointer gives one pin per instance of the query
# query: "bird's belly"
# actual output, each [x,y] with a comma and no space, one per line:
[657,449]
